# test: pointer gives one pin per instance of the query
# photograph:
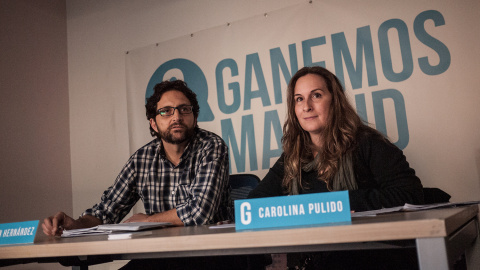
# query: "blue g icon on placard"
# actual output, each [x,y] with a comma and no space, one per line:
[245,214]
[192,75]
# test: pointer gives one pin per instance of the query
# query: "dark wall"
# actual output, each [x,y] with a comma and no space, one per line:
[35,169]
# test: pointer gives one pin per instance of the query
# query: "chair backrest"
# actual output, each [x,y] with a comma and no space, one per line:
[242,184]
[435,195]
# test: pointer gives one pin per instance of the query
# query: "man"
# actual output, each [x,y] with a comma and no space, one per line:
[181,176]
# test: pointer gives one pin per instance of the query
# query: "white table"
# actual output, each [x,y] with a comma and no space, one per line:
[440,237]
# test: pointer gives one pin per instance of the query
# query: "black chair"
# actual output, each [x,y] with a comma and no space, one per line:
[435,195]
[242,184]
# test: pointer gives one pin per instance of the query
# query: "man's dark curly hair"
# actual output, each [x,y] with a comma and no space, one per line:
[162,88]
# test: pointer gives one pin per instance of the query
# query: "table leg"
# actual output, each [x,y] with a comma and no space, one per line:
[80,267]
[442,252]
[473,253]
[432,254]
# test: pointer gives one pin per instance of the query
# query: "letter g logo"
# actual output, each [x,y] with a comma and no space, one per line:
[193,76]
[245,214]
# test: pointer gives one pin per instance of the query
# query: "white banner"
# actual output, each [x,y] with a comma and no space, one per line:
[403,66]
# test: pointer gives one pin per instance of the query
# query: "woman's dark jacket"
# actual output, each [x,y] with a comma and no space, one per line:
[383,176]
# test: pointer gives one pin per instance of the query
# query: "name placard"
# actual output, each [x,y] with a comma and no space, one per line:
[18,232]
[297,210]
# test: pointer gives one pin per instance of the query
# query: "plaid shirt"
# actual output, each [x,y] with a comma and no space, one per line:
[197,187]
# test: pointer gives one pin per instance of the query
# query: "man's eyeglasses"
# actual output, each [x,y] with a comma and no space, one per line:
[182,109]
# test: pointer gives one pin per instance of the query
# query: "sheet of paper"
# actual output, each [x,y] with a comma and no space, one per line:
[412,207]
[376,212]
[129,235]
[83,232]
[133,226]
[222,226]
[109,228]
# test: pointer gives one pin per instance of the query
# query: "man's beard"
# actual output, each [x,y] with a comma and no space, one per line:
[169,137]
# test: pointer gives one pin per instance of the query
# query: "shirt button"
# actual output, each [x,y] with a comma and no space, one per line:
[173,192]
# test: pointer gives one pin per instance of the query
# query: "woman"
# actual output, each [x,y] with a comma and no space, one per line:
[327,147]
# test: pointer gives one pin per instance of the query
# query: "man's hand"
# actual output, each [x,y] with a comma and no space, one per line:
[138,218]
[167,216]
[54,225]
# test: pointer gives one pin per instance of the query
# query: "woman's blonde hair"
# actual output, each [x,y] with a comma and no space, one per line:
[339,134]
